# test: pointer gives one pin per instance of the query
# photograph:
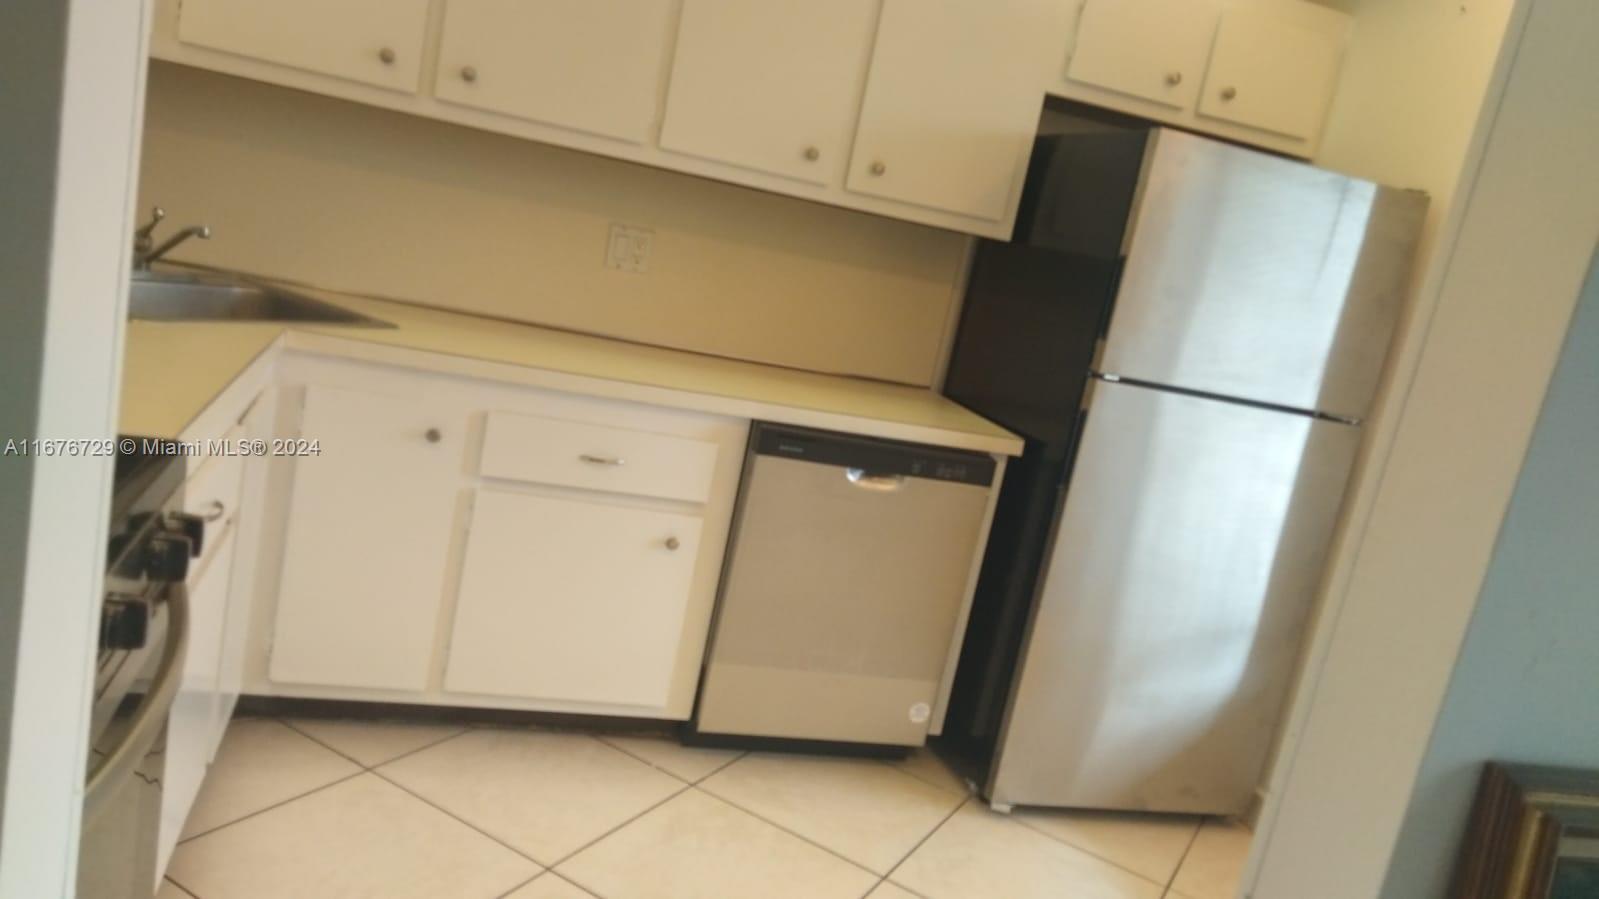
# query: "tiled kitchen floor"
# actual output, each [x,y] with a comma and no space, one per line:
[304,809]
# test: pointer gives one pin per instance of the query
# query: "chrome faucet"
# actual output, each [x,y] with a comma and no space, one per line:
[144,249]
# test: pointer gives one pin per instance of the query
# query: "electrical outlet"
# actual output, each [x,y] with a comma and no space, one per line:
[629,248]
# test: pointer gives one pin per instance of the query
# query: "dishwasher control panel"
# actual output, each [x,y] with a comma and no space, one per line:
[877,456]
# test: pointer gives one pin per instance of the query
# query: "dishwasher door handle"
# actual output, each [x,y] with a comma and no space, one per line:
[882,483]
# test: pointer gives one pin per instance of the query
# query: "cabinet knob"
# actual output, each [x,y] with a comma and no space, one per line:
[434,435]
[1228,93]
[388,56]
[813,153]
[877,167]
[1174,78]
[672,543]
[469,74]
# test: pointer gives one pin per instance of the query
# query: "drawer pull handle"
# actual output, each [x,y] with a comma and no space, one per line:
[433,435]
[612,461]
[672,543]
[881,483]
[215,510]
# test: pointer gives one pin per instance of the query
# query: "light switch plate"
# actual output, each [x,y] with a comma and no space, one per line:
[628,249]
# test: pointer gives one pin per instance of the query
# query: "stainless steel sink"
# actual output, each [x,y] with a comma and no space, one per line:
[183,296]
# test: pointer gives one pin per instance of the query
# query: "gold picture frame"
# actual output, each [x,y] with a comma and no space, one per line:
[1534,834]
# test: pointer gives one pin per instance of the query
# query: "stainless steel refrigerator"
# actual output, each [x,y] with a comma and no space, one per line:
[1189,335]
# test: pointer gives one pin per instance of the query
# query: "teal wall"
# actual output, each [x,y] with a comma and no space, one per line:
[1526,686]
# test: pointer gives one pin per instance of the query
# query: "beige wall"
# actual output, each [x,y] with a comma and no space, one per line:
[1407,108]
[1409,94]
[354,198]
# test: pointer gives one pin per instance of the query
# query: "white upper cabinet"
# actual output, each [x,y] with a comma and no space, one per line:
[1271,73]
[922,110]
[375,42]
[1154,49]
[1259,72]
[773,86]
[589,65]
[952,103]
[370,524]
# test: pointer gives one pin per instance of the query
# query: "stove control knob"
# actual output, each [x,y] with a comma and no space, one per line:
[124,622]
[190,526]
[166,558]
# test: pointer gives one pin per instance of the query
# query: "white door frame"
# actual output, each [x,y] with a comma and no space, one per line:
[1512,264]
[73,74]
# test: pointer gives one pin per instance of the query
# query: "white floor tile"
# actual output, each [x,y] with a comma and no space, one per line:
[550,886]
[262,763]
[890,890]
[691,763]
[371,743]
[1147,845]
[547,794]
[978,854]
[1215,862]
[924,765]
[698,846]
[359,839]
[859,808]
[170,890]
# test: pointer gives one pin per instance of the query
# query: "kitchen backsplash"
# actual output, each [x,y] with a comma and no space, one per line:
[360,199]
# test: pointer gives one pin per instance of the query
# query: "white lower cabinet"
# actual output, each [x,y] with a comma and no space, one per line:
[372,515]
[572,599]
[192,726]
[465,542]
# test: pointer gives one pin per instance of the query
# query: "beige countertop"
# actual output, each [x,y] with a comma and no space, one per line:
[173,370]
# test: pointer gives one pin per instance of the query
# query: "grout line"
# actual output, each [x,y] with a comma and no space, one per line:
[434,805]
[574,884]
[928,836]
[790,832]
[275,805]
[892,765]
[1112,862]
[522,884]
[719,768]
[181,888]
[1170,881]
[364,766]
[330,747]
[631,754]
[570,855]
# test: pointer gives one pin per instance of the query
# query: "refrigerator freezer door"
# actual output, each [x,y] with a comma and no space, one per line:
[1169,620]
[1261,278]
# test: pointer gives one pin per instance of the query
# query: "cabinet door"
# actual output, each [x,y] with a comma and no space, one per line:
[952,102]
[772,86]
[191,726]
[248,517]
[572,600]
[589,65]
[1272,74]
[377,42]
[1153,49]
[370,522]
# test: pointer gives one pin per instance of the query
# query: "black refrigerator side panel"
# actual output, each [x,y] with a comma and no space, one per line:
[1027,336]
[1024,519]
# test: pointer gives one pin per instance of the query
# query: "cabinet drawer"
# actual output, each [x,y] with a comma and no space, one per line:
[596,457]
[212,493]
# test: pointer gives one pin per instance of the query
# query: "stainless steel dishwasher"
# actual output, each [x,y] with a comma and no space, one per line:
[843,584]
